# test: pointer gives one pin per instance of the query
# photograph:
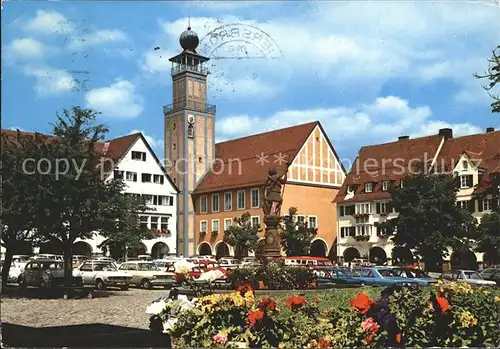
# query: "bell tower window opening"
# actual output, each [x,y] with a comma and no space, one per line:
[190,131]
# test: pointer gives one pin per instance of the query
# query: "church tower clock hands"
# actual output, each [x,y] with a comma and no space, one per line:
[189,133]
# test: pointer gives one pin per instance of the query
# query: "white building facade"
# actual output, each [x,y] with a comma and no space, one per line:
[364,199]
[144,175]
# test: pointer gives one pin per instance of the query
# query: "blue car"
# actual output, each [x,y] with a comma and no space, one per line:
[380,276]
[337,276]
[416,274]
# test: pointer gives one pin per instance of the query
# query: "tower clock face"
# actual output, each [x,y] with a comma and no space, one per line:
[190,119]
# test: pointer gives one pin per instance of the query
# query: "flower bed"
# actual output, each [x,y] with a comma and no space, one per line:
[454,315]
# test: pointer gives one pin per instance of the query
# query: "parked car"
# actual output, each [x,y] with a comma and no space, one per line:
[78,260]
[146,274]
[229,263]
[144,257]
[165,264]
[416,274]
[209,265]
[470,277]
[103,274]
[21,259]
[308,261]
[337,276]
[194,272]
[55,257]
[249,260]
[45,273]
[491,274]
[382,277]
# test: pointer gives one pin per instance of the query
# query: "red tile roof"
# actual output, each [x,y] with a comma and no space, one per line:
[287,141]
[388,161]
[483,149]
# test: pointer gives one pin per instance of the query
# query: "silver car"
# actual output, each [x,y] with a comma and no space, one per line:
[470,277]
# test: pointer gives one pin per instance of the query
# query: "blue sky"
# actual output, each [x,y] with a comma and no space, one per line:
[369,72]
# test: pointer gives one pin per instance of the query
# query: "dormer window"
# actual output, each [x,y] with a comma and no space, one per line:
[466,181]
[139,155]
[350,188]
[368,187]
[385,185]
[465,165]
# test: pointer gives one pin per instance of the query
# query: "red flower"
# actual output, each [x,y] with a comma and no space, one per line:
[315,300]
[362,303]
[443,304]
[324,342]
[254,316]
[398,338]
[369,337]
[295,302]
[244,288]
[267,304]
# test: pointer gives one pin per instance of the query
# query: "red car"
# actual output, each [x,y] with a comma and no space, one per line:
[209,265]
[195,273]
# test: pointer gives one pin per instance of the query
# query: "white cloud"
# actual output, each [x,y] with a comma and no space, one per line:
[51,81]
[381,121]
[15,128]
[153,142]
[156,61]
[98,37]
[117,100]
[49,22]
[25,48]
[349,44]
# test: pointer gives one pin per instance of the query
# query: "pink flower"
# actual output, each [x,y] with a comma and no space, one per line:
[221,338]
[369,325]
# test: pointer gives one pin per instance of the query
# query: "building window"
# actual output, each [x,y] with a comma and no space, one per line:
[154,223]
[173,127]
[486,204]
[241,199]
[402,184]
[228,201]
[118,174]
[465,165]
[363,208]
[203,204]
[385,185]
[146,178]
[174,146]
[158,179]
[164,200]
[164,224]
[139,155]
[148,199]
[131,176]
[350,188]
[227,224]
[215,203]
[368,187]
[382,207]
[203,226]
[215,225]
[255,198]
[144,222]
[301,219]
[190,131]
[313,222]
[466,181]
[255,221]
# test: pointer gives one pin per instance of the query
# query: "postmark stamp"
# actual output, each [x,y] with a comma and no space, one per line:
[239,41]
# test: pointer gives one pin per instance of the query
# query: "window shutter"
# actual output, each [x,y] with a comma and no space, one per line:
[480,205]
[135,177]
[471,205]
[342,213]
[469,181]
[378,207]
[457,181]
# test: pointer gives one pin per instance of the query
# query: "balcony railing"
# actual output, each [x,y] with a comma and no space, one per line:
[180,68]
[190,105]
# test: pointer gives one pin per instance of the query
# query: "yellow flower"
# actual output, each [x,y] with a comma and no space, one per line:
[467,319]
[439,283]
[497,299]
[281,346]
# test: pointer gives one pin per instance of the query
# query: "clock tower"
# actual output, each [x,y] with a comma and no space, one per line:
[189,134]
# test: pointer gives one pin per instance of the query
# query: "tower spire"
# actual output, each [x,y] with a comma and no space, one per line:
[189,22]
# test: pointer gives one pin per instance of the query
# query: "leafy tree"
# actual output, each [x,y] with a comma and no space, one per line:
[296,237]
[19,194]
[74,200]
[128,233]
[493,75]
[488,235]
[429,220]
[242,235]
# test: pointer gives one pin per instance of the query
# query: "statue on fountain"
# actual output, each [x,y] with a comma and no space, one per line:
[273,199]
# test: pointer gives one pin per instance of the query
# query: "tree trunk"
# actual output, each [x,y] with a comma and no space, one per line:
[68,263]
[6,266]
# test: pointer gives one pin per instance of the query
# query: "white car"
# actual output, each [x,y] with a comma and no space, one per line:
[54,257]
[470,277]
[103,274]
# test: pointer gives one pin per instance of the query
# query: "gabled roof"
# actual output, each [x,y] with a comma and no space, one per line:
[115,148]
[389,161]
[287,141]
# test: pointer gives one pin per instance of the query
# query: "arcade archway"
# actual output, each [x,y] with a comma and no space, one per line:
[463,260]
[204,249]
[402,256]
[377,255]
[318,248]
[136,250]
[82,248]
[221,250]
[159,250]
[350,254]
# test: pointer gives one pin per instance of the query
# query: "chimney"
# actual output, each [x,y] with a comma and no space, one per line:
[490,129]
[447,133]
[403,137]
